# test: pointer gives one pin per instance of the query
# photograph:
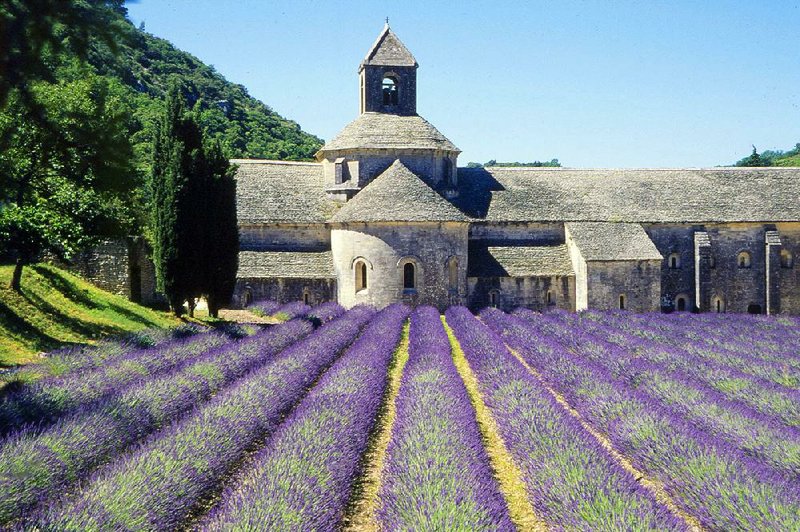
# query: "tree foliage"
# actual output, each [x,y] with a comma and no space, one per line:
[772,158]
[537,164]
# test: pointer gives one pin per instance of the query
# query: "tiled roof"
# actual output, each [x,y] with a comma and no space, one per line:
[288,264]
[397,195]
[607,241]
[388,50]
[519,261]
[381,130]
[275,191]
[631,195]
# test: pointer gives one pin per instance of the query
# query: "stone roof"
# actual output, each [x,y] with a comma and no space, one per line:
[388,50]
[608,241]
[276,191]
[519,261]
[398,195]
[381,130]
[631,195]
[288,264]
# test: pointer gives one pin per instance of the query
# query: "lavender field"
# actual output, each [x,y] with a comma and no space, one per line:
[404,419]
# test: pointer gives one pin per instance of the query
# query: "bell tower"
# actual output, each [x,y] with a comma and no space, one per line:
[388,77]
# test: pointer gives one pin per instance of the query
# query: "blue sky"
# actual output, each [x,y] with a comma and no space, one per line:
[594,84]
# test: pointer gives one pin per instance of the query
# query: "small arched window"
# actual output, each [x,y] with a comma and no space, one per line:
[680,303]
[549,298]
[390,96]
[409,276]
[452,273]
[494,297]
[622,302]
[717,305]
[674,261]
[306,296]
[743,260]
[361,276]
[786,259]
[712,262]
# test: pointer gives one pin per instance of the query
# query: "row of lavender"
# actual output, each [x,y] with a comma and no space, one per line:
[710,475]
[99,412]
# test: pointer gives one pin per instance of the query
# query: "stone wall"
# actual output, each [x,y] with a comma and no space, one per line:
[638,281]
[386,247]
[789,284]
[679,281]
[286,237]
[365,165]
[371,80]
[283,290]
[529,292]
[517,233]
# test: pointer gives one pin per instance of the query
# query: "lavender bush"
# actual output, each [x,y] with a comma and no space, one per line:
[573,483]
[35,466]
[437,474]
[302,479]
[157,484]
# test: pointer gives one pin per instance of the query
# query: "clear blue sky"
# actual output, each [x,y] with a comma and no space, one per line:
[594,84]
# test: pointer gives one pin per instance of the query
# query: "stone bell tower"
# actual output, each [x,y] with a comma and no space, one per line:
[388,76]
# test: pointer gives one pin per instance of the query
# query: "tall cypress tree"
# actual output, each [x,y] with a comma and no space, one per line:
[222,242]
[177,186]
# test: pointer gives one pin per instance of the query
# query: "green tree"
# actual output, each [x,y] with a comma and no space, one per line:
[65,169]
[753,160]
[222,240]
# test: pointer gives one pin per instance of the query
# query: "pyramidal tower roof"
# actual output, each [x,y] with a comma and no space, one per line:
[398,195]
[389,50]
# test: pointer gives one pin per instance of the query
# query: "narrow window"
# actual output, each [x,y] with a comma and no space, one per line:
[674,261]
[712,262]
[361,276]
[549,298]
[622,302]
[389,91]
[743,260]
[409,276]
[306,297]
[681,304]
[493,298]
[718,306]
[452,273]
[786,258]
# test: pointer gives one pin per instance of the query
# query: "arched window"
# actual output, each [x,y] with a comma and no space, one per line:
[680,304]
[361,276]
[306,296]
[717,305]
[712,261]
[390,96]
[674,261]
[409,276]
[494,297]
[549,298]
[622,302]
[248,298]
[743,260]
[786,259]
[452,273]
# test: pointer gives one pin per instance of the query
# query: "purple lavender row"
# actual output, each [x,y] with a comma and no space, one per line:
[572,481]
[720,485]
[44,401]
[291,310]
[759,394]
[709,410]
[437,474]
[159,483]
[325,312]
[264,307]
[303,478]
[36,466]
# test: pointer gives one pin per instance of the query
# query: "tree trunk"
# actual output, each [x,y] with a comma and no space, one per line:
[213,308]
[191,303]
[16,278]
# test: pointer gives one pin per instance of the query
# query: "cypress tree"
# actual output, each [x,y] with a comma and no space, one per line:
[222,243]
[177,187]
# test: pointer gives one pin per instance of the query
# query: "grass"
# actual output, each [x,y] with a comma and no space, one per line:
[57,308]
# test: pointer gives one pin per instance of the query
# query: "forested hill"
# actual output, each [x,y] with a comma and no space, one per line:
[772,158]
[145,64]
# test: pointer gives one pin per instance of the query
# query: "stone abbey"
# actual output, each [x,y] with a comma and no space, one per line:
[386,214]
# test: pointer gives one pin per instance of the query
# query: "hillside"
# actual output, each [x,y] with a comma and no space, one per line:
[57,308]
[145,65]
[772,158]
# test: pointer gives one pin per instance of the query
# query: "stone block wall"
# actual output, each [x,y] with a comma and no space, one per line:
[739,288]
[283,290]
[678,241]
[529,292]
[365,165]
[638,281]
[517,233]
[385,247]
[789,273]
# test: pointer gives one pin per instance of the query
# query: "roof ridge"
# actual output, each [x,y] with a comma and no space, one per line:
[272,161]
